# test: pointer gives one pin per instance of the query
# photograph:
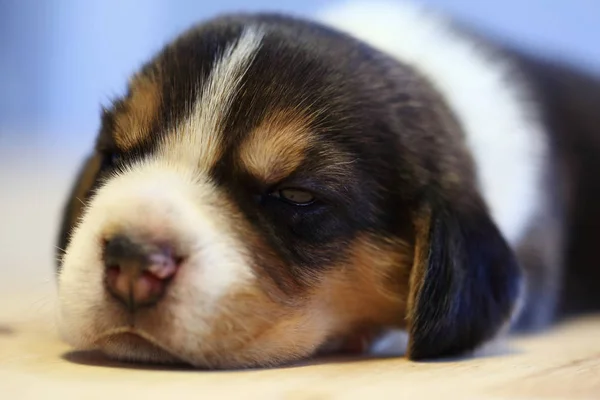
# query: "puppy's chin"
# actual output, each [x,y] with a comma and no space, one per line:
[280,344]
[249,332]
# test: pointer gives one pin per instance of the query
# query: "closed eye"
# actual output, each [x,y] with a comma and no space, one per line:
[294,196]
[111,159]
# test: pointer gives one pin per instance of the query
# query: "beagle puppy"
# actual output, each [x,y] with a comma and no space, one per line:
[272,187]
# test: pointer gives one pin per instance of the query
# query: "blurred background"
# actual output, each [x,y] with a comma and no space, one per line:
[61,59]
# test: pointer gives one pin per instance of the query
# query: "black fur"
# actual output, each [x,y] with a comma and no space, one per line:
[470,284]
[569,99]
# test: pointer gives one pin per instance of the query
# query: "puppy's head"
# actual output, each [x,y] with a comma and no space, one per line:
[267,185]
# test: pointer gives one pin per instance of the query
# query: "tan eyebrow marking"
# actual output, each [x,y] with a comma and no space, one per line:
[140,110]
[276,147]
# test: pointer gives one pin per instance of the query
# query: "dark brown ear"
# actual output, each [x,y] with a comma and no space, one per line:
[85,181]
[464,283]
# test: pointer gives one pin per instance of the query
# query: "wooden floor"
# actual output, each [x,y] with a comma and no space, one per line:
[561,364]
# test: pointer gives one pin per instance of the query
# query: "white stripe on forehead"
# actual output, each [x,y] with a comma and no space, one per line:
[197,140]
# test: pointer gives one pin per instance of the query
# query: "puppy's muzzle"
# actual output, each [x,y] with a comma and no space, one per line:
[137,274]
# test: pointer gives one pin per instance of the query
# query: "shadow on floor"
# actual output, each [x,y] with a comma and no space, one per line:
[98,359]
[6,330]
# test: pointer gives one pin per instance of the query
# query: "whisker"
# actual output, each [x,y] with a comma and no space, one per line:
[60,249]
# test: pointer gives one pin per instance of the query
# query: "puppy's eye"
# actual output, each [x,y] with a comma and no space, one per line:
[111,159]
[298,197]
[115,158]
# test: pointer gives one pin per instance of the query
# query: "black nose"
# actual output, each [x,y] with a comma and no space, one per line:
[137,274]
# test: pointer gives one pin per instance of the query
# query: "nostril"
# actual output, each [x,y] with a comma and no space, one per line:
[149,285]
[115,281]
[112,273]
[137,274]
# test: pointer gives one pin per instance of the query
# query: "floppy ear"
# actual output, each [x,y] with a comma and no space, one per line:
[73,209]
[465,281]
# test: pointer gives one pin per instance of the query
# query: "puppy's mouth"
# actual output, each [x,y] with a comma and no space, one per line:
[135,345]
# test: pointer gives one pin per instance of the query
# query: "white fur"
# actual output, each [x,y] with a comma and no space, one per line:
[502,129]
[197,138]
[165,198]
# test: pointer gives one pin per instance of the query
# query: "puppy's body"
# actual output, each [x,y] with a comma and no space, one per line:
[306,184]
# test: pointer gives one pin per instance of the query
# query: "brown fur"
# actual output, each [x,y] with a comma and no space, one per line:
[274,149]
[139,110]
[371,288]
[361,296]
[418,269]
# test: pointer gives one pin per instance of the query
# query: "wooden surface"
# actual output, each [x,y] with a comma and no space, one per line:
[561,364]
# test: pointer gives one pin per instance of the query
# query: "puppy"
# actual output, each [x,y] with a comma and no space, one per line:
[271,187]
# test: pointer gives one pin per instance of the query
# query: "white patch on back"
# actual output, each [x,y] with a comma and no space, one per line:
[197,139]
[502,129]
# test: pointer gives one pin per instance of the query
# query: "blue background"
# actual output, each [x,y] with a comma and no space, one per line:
[61,59]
